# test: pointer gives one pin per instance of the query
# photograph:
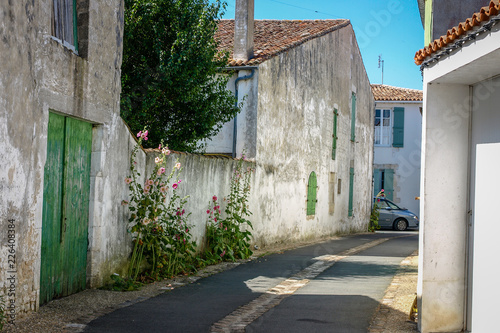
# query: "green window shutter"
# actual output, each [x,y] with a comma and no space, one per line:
[389,183]
[311,194]
[351,190]
[377,178]
[334,145]
[353,117]
[75,27]
[398,127]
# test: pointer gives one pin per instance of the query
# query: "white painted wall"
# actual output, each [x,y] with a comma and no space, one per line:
[443,209]
[486,231]
[405,160]
[246,120]
[460,111]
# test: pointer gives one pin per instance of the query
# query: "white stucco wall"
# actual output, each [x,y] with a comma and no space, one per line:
[460,111]
[405,160]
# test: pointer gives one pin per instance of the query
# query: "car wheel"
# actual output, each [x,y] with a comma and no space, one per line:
[400,225]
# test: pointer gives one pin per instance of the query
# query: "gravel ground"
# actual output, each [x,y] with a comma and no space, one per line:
[393,313]
[72,313]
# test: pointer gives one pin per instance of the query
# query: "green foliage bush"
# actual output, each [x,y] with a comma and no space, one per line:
[228,238]
[170,68]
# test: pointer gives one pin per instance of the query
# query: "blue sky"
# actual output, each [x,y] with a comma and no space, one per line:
[391,28]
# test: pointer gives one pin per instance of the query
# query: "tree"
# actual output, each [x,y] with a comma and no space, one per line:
[170,72]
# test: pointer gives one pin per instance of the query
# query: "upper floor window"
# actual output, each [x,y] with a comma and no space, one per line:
[389,127]
[64,25]
[383,127]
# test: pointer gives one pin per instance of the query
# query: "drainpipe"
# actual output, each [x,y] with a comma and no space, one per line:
[235,128]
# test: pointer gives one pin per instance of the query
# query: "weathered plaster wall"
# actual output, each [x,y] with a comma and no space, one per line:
[298,91]
[405,160]
[38,74]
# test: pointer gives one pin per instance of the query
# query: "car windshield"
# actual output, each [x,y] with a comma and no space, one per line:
[384,203]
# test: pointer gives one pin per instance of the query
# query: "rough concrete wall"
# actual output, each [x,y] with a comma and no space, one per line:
[38,74]
[202,178]
[298,91]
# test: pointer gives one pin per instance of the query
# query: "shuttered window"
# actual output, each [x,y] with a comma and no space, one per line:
[398,127]
[351,191]
[353,117]
[334,144]
[311,194]
[64,25]
[383,179]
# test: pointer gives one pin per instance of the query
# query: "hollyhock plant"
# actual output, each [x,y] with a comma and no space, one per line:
[228,237]
[156,216]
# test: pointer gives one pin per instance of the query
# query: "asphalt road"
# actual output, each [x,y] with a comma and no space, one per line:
[330,287]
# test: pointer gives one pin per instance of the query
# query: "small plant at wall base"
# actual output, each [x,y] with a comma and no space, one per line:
[158,221]
[3,315]
[374,216]
[228,238]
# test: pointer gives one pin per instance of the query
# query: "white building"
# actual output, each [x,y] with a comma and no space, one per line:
[460,224]
[398,128]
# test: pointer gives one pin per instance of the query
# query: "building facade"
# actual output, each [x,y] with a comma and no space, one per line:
[398,136]
[460,178]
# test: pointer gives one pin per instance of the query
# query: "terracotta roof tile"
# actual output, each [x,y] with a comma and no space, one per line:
[477,19]
[382,92]
[272,37]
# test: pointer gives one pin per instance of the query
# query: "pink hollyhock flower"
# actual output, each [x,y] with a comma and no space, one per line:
[150,182]
[139,134]
[178,213]
[174,186]
[161,171]
[214,198]
[208,211]
[165,151]
[187,229]
[179,181]
[146,221]
[159,146]
[223,253]
[163,189]
[215,219]
[183,212]
[177,165]
[128,180]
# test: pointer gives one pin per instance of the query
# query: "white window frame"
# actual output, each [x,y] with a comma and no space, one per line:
[378,132]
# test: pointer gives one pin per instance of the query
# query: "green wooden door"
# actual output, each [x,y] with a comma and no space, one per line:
[65,207]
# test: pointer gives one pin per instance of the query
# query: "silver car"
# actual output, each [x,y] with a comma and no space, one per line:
[391,216]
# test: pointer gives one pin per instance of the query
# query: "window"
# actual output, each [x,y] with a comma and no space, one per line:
[389,127]
[353,117]
[64,25]
[334,145]
[311,194]
[383,127]
[351,191]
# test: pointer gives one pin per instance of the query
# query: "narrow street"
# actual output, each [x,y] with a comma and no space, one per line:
[330,287]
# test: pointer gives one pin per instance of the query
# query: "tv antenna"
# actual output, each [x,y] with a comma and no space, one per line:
[381,63]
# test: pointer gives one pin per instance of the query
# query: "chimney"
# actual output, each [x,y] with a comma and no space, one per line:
[243,30]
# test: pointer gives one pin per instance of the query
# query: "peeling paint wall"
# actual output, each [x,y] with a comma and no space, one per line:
[39,74]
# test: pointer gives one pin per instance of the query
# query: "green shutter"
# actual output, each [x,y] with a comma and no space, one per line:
[351,190]
[353,117]
[389,183]
[334,145]
[311,194]
[376,181]
[75,27]
[398,127]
